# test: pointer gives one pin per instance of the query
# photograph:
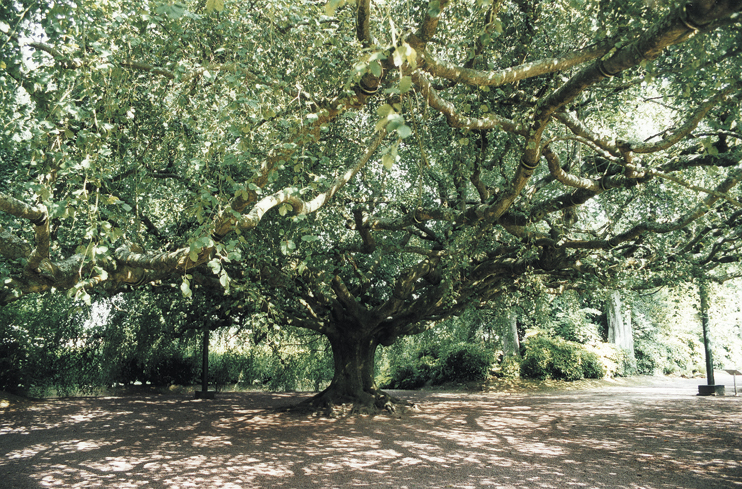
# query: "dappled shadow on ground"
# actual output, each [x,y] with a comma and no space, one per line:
[657,436]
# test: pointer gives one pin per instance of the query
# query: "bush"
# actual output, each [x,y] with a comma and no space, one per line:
[11,358]
[172,369]
[555,358]
[537,362]
[509,368]
[616,361]
[465,363]
[460,363]
[592,366]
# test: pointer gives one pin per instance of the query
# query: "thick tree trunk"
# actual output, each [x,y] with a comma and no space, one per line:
[620,331]
[353,383]
[354,368]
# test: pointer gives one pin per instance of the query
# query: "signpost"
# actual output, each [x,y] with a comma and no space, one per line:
[734,374]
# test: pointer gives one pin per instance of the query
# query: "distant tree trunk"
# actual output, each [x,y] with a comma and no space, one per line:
[510,343]
[620,331]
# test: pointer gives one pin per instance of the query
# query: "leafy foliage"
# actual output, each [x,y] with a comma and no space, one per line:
[555,358]
[366,170]
[457,363]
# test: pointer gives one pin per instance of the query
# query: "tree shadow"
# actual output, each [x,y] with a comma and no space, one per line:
[632,437]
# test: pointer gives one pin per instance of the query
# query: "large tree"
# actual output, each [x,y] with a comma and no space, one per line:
[363,170]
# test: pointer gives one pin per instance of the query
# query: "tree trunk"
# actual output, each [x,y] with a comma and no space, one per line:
[354,380]
[510,343]
[704,296]
[620,331]
[354,368]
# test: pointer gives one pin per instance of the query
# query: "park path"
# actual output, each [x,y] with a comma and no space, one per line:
[649,434]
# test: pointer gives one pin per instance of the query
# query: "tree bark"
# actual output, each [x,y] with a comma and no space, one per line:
[353,383]
[353,357]
[704,296]
[510,343]
[620,331]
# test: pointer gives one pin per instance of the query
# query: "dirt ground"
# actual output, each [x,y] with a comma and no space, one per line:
[652,433]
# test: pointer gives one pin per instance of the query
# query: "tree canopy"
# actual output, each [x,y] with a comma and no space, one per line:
[363,169]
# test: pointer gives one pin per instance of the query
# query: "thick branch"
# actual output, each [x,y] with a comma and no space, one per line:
[469,76]
[661,228]
[363,17]
[291,195]
[430,22]
[676,27]
[454,118]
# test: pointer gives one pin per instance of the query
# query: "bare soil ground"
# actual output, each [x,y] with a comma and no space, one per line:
[649,433]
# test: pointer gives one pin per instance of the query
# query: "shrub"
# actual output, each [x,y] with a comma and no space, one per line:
[537,362]
[12,375]
[408,377]
[616,361]
[172,369]
[430,365]
[592,366]
[509,367]
[465,363]
[555,358]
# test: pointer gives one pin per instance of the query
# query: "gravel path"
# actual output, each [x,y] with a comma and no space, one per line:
[655,434]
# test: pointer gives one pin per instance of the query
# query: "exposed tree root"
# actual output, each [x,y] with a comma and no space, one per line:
[331,404]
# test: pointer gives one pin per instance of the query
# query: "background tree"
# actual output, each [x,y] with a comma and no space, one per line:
[230,146]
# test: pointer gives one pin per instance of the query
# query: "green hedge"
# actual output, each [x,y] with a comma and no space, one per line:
[460,362]
[555,358]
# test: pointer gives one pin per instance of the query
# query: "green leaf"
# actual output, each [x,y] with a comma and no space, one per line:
[224,279]
[405,84]
[497,25]
[193,255]
[287,246]
[385,110]
[375,68]
[395,120]
[404,131]
[388,161]
[434,8]
[398,56]
[215,266]
[212,5]
[185,288]
[284,209]
[464,141]
[333,5]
